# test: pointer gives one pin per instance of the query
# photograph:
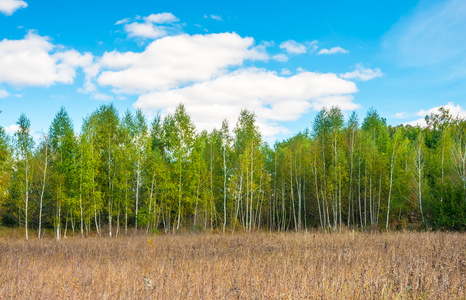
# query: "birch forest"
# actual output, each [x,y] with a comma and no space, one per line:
[122,173]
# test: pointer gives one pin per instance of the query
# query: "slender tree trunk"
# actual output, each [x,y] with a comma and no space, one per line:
[380,192]
[419,167]
[370,197]
[350,192]
[26,200]
[359,188]
[81,191]
[150,203]
[292,196]
[179,199]
[137,192]
[317,194]
[211,189]
[197,195]
[224,189]
[126,207]
[392,168]
[43,190]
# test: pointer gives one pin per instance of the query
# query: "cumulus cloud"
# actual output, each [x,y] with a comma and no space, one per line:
[362,73]
[153,26]
[293,47]
[455,110]
[12,129]
[4,93]
[333,50]
[175,60]
[273,98]
[8,7]
[145,30]
[33,61]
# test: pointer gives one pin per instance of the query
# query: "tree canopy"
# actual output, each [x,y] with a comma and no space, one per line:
[123,172]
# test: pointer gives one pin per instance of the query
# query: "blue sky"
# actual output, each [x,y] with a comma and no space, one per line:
[285,60]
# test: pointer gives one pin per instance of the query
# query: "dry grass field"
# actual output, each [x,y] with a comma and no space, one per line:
[240,266]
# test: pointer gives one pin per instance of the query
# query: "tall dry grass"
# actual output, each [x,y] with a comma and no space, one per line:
[243,266]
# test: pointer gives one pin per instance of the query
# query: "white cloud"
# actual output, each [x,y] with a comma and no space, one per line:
[152,27]
[102,97]
[161,18]
[11,129]
[33,62]
[273,98]
[280,57]
[293,47]
[455,110]
[145,30]
[362,73]
[123,21]
[175,60]
[401,115]
[8,7]
[4,93]
[418,122]
[333,50]
[312,45]
[285,72]
[216,17]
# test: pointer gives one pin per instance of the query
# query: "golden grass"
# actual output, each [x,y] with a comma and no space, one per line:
[243,266]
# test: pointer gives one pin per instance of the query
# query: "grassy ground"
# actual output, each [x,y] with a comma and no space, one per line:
[244,266]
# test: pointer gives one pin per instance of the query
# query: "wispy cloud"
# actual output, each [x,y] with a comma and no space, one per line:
[162,18]
[362,73]
[285,72]
[280,57]
[433,35]
[333,50]
[401,115]
[4,93]
[8,7]
[293,47]
[102,97]
[122,21]
[214,17]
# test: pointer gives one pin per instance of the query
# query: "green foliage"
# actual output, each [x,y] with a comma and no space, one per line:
[120,172]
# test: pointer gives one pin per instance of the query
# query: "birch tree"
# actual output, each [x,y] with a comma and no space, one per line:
[24,147]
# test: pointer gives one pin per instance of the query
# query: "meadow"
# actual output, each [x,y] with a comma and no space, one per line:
[312,265]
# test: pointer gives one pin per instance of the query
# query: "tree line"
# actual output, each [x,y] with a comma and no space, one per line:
[122,173]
